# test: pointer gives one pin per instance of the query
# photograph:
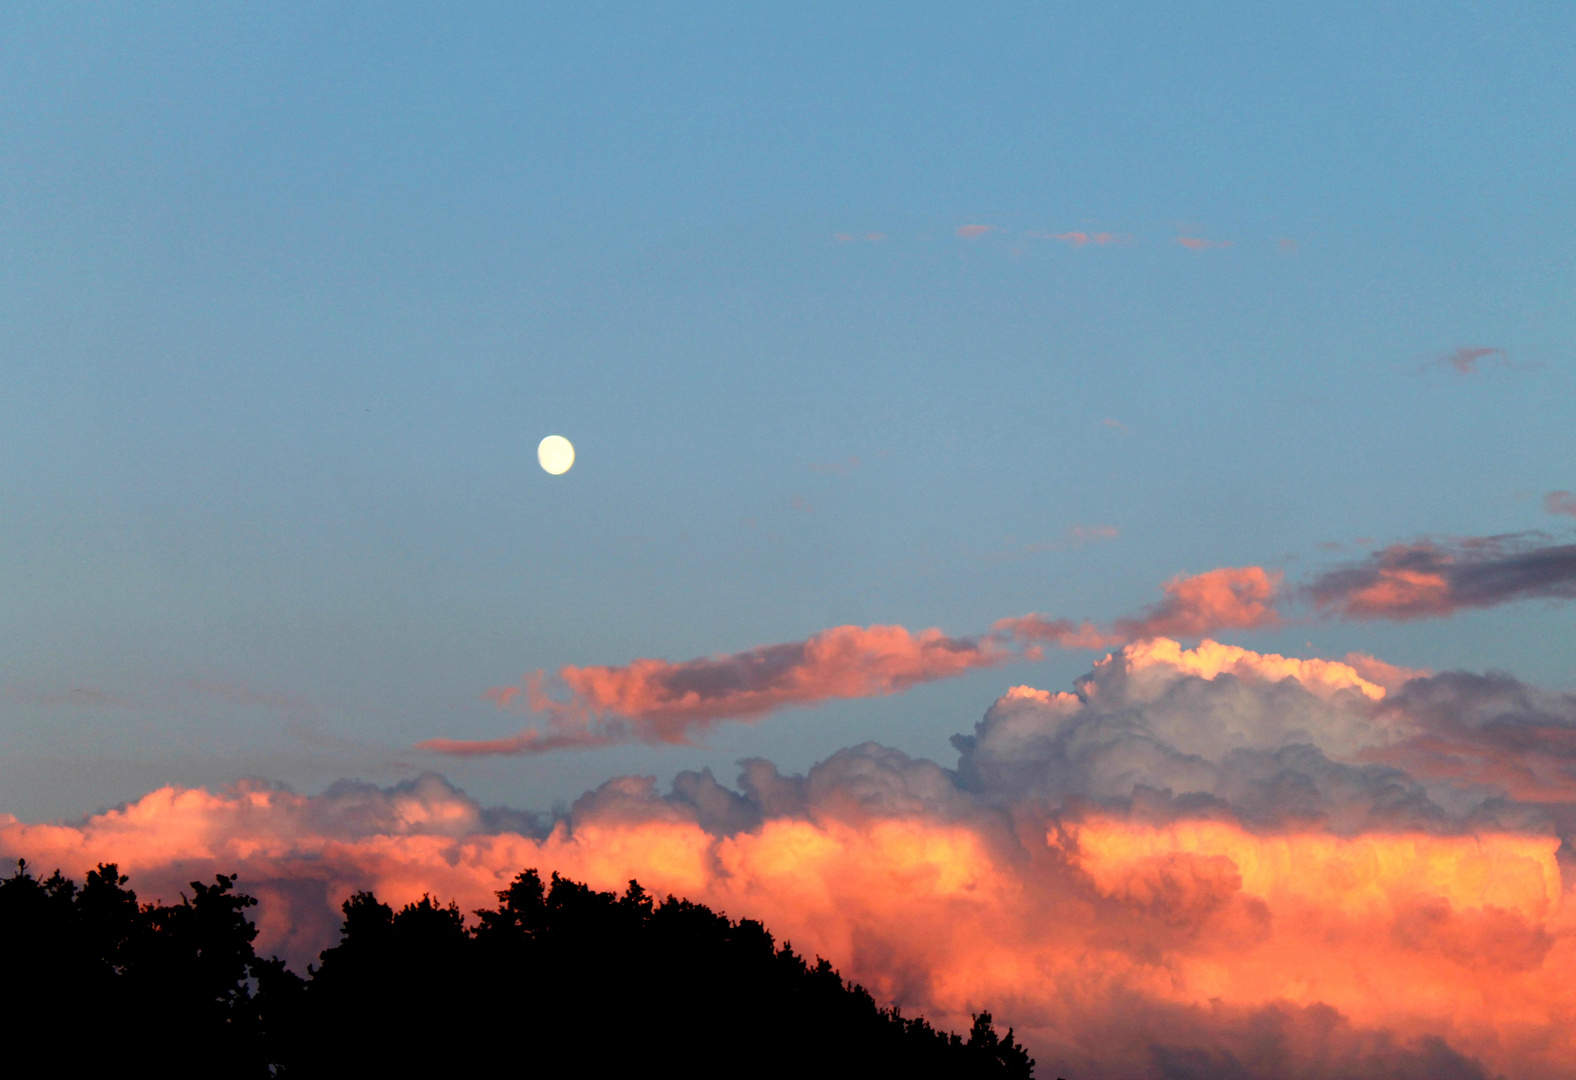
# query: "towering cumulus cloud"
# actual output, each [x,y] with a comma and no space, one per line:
[1200,861]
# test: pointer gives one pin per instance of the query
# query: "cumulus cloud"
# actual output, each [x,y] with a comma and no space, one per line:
[1230,598]
[1196,861]
[1436,578]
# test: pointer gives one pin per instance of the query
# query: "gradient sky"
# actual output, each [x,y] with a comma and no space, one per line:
[290,293]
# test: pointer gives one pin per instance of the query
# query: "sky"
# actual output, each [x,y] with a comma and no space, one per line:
[918,319]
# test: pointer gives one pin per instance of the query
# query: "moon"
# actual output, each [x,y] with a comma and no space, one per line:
[556,454]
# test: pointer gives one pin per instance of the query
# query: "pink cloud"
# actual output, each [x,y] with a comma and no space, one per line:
[660,701]
[970,232]
[1196,243]
[1390,676]
[1560,502]
[1233,597]
[1187,860]
[1079,238]
[1437,578]
[1464,361]
[1063,633]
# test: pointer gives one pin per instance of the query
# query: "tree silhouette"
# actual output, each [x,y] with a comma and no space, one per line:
[557,978]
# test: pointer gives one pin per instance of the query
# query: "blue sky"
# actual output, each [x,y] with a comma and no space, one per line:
[291,293]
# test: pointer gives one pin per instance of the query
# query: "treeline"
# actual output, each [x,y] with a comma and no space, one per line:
[558,979]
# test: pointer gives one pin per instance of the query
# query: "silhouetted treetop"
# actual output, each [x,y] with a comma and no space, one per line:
[558,977]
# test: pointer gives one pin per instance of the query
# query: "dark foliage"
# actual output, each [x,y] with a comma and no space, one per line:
[558,977]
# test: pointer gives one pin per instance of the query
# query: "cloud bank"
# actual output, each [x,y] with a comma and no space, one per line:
[1205,861]
[661,701]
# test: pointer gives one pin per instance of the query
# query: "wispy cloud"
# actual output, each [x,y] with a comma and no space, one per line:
[1198,243]
[1560,502]
[859,238]
[1465,360]
[1080,239]
[970,232]
[80,697]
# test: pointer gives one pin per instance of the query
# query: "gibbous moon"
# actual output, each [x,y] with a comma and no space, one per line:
[556,454]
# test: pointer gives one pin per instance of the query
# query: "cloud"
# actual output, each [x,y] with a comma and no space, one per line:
[1232,597]
[1063,633]
[1436,578]
[853,238]
[664,702]
[1205,861]
[660,701]
[1082,239]
[970,232]
[1465,360]
[1560,502]
[1089,534]
[1196,243]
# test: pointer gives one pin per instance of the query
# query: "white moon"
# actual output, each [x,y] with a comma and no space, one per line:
[556,454]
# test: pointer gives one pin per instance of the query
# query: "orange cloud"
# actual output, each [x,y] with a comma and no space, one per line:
[1108,943]
[661,701]
[1205,861]
[664,702]
[1433,579]
[1210,659]
[1233,597]
[1196,243]
[1389,676]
